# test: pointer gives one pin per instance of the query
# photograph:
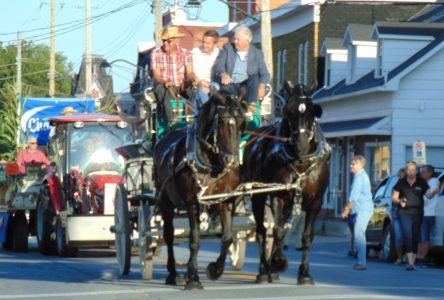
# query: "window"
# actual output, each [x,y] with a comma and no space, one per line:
[300,52]
[283,68]
[378,160]
[306,63]
[327,74]
[379,59]
[278,70]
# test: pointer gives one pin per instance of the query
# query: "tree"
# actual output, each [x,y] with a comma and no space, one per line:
[35,69]
[35,83]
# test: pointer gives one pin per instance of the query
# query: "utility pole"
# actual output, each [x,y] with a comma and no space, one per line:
[158,15]
[52,52]
[88,63]
[18,83]
[266,41]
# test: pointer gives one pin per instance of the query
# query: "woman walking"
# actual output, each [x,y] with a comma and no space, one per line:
[361,203]
[409,193]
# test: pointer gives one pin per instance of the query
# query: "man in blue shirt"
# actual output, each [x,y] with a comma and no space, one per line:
[241,65]
[361,203]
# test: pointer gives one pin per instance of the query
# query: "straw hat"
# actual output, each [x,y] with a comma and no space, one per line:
[69,110]
[170,33]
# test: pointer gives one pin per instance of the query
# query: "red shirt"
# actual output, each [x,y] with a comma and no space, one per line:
[25,157]
[172,67]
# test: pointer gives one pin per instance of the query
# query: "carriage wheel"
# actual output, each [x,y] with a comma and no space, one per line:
[237,251]
[122,230]
[62,248]
[145,252]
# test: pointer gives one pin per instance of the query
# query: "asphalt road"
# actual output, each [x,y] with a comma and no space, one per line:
[94,275]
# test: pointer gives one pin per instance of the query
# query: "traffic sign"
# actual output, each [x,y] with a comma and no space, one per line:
[419,153]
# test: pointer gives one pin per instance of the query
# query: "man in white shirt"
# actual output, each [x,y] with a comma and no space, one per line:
[204,58]
[428,221]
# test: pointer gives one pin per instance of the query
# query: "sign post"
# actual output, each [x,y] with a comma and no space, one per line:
[419,153]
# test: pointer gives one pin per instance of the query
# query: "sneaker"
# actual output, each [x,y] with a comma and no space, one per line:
[359,267]
[398,262]
[410,268]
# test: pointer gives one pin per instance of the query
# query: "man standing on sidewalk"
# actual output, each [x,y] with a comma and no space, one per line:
[361,203]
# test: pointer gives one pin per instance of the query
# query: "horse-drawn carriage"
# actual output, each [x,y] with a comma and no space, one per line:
[196,173]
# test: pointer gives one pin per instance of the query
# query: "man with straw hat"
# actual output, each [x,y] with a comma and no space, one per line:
[172,66]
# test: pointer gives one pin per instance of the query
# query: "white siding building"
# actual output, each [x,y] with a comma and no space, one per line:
[398,101]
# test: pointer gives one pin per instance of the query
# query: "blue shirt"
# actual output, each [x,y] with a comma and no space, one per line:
[240,70]
[361,194]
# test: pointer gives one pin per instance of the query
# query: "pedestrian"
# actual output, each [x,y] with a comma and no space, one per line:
[297,223]
[204,58]
[409,194]
[428,221]
[396,225]
[361,203]
[241,65]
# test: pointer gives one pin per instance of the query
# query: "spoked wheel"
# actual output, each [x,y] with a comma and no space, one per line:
[62,248]
[145,252]
[8,243]
[44,230]
[20,232]
[122,230]
[236,252]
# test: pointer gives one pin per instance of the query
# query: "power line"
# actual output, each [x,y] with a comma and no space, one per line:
[79,23]
[32,73]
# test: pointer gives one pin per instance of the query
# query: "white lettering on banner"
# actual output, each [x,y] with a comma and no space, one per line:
[28,123]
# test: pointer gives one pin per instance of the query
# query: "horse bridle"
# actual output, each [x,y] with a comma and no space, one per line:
[301,126]
[236,112]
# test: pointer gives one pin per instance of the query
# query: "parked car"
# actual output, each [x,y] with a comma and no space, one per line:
[379,230]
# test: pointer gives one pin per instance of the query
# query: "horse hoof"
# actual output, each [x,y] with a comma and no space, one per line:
[214,271]
[275,277]
[262,278]
[305,280]
[279,264]
[172,280]
[193,286]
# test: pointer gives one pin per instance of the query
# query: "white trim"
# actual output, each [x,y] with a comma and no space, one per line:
[299,69]
[407,37]
[364,43]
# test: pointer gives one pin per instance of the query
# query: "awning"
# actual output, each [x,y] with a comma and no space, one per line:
[373,126]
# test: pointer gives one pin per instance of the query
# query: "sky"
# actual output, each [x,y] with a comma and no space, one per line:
[114,34]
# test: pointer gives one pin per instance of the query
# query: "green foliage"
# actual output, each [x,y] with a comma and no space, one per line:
[109,105]
[35,68]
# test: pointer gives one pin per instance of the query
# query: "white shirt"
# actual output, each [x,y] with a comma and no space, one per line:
[203,63]
[430,204]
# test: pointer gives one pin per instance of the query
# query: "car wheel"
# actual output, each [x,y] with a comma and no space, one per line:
[388,249]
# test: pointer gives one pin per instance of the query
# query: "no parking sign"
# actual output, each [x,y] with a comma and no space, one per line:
[419,153]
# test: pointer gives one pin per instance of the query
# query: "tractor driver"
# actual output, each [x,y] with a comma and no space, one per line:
[31,155]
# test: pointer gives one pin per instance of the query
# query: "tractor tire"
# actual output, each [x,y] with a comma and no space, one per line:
[45,229]
[20,232]
[8,243]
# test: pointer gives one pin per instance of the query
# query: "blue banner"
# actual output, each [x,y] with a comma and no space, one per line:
[35,111]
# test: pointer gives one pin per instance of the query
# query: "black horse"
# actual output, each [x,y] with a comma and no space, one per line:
[201,159]
[293,151]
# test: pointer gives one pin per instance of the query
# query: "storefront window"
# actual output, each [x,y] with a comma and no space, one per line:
[378,161]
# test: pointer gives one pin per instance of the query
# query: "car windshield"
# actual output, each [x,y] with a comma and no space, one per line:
[91,148]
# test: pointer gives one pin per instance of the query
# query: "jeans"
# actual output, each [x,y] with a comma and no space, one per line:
[251,85]
[362,219]
[397,231]
[411,225]
[163,101]
[428,222]
[298,224]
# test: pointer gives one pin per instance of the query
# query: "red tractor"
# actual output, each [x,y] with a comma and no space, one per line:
[75,206]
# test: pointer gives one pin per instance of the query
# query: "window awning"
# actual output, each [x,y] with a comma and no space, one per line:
[372,126]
